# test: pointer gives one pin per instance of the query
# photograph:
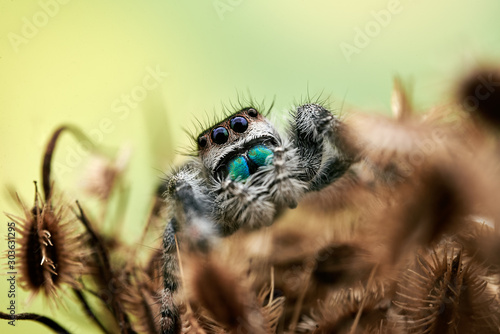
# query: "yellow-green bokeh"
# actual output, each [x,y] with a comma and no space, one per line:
[87,54]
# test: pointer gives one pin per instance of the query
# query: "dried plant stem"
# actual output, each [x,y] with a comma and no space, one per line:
[133,251]
[363,301]
[121,208]
[150,315]
[88,310]
[106,272]
[272,287]
[49,152]
[36,317]
[298,305]
[149,221]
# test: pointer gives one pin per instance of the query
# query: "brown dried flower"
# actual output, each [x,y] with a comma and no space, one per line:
[445,293]
[48,247]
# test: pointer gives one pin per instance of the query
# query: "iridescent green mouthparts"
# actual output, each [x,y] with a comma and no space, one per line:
[242,166]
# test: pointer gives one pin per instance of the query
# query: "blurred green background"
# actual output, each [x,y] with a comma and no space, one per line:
[136,73]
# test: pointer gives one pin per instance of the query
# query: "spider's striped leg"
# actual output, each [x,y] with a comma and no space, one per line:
[317,131]
[306,133]
[332,169]
[169,321]
[187,198]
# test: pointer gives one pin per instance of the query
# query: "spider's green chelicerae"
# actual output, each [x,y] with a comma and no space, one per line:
[244,174]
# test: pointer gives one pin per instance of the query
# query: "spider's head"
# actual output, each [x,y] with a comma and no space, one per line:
[237,146]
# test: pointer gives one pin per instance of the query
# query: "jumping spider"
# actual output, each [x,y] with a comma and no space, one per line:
[244,174]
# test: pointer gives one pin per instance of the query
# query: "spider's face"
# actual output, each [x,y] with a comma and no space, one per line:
[238,146]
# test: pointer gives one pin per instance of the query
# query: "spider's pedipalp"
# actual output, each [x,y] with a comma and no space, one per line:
[243,205]
[282,177]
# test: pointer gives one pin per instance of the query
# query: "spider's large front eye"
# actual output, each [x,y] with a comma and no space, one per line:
[220,135]
[239,124]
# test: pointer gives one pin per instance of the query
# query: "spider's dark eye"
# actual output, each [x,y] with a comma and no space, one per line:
[202,141]
[252,112]
[239,124]
[220,135]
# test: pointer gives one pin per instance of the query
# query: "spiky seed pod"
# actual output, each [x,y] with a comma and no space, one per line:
[342,264]
[271,307]
[191,324]
[435,203]
[439,202]
[338,313]
[356,186]
[141,302]
[479,94]
[483,243]
[397,151]
[50,251]
[446,294]
[228,302]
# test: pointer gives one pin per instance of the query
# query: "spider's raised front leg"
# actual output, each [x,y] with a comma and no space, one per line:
[314,132]
[169,320]
[187,198]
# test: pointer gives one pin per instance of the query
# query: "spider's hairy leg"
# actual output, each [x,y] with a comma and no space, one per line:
[187,198]
[314,132]
[169,321]
[306,132]
[243,205]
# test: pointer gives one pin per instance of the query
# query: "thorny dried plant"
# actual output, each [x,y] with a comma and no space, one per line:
[49,247]
[406,241]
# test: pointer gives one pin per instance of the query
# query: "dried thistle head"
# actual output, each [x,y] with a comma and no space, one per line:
[338,313]
[49,247]
[356,186]
[397,150]
[481,242]
[226,299]
[479,94]
[436,202]
[141,301]
[445,293]
[342,264]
